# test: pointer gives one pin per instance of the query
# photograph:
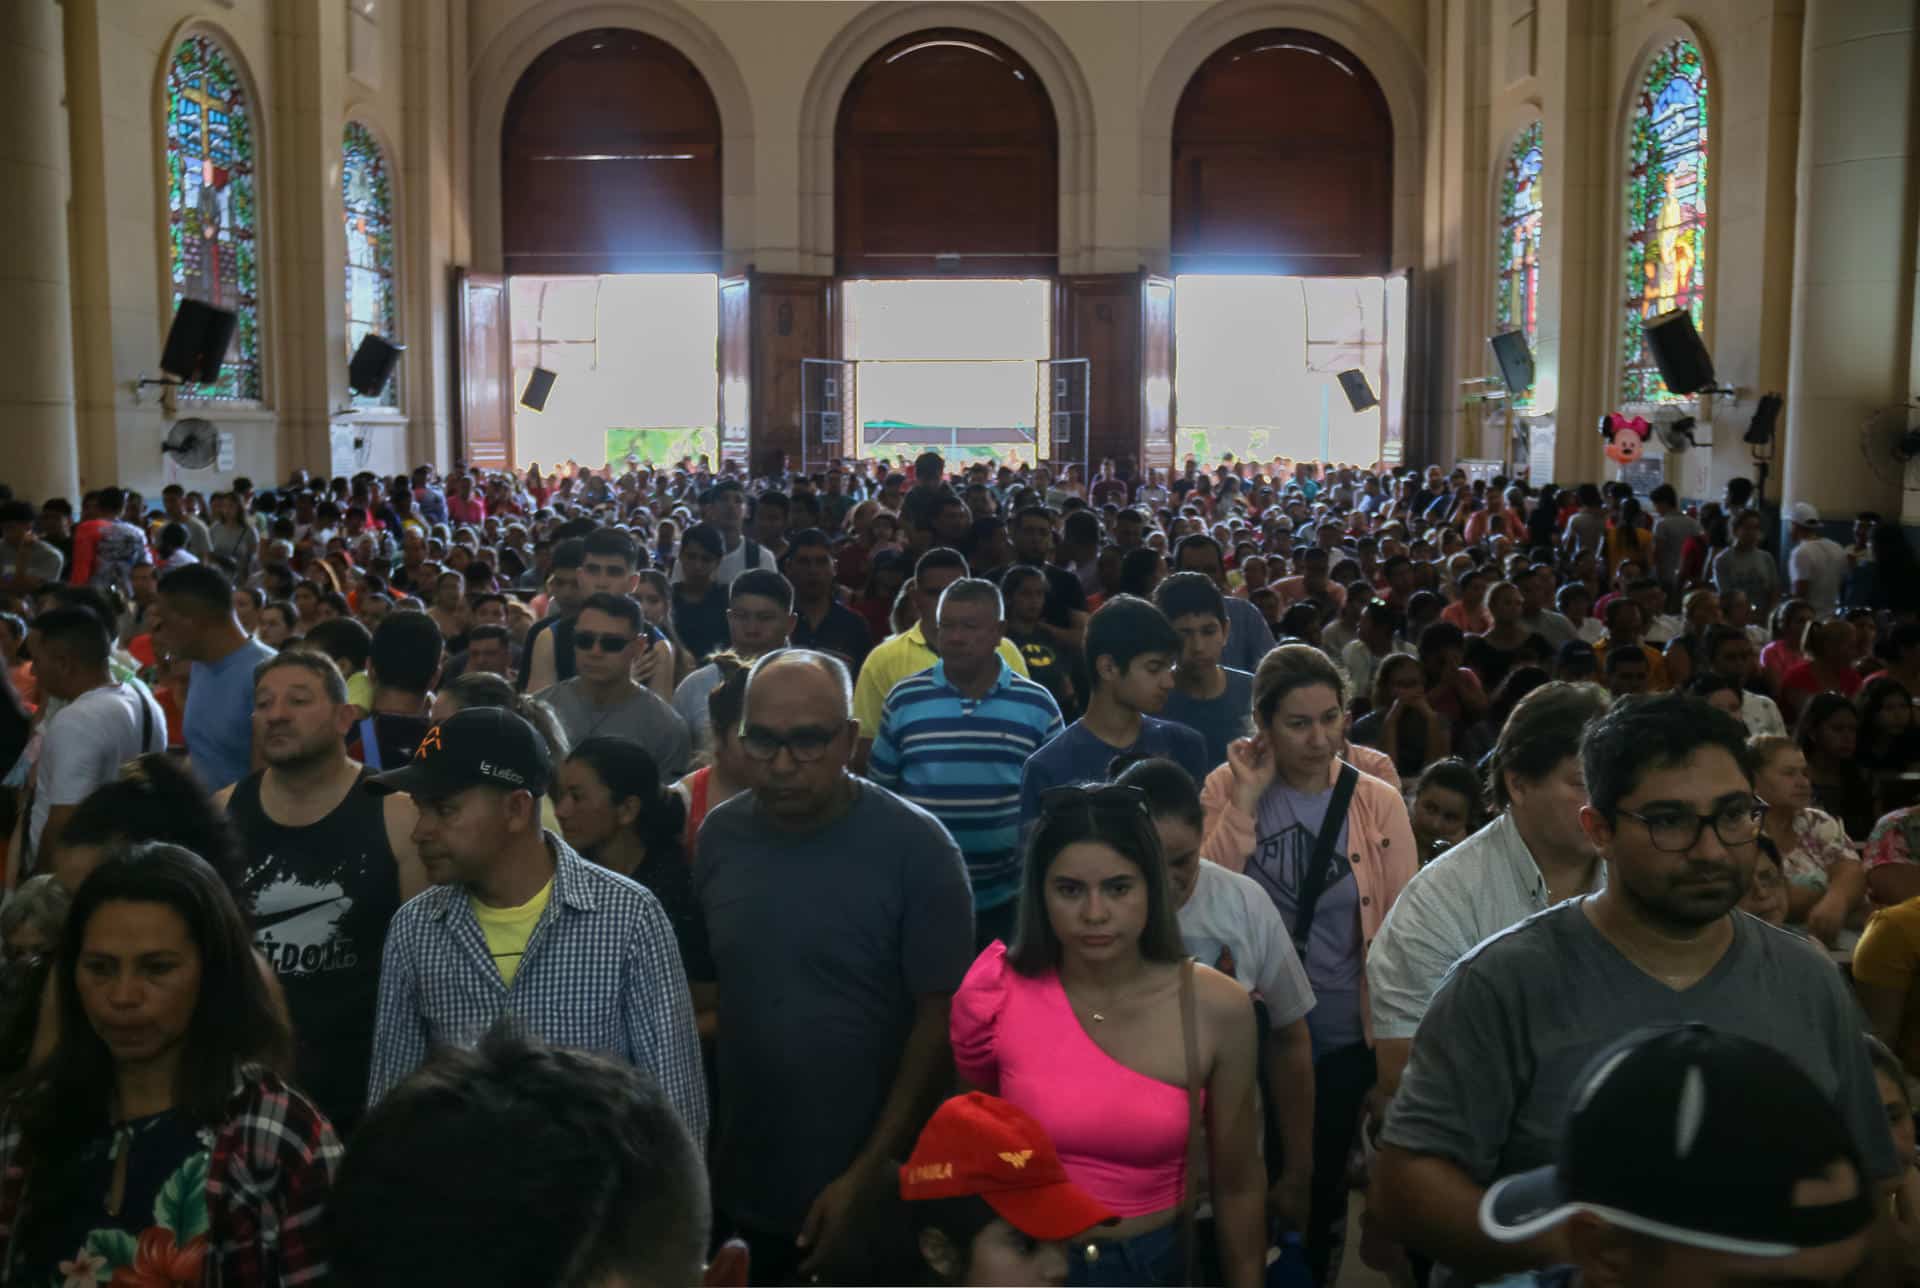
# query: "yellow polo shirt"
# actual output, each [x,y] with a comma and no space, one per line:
[893,660]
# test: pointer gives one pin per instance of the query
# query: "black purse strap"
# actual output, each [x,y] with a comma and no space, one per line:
[1313,882]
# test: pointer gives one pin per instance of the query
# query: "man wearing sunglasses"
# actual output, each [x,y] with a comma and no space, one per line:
[841,923]
[1500,1051]
[603,699]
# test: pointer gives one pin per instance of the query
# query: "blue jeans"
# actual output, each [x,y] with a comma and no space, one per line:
[1145,1261]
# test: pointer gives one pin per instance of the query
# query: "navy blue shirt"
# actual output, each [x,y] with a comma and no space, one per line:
[1080,756]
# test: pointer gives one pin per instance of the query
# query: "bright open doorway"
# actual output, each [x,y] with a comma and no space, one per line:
[950,364]
[1257,361]
[637,360]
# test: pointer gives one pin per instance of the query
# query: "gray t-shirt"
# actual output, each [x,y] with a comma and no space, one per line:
[821,944]
[1217,720]
[1670,535]
[644,718]
[690,702]
[1516,1022]
[1752,571]
[1286,828]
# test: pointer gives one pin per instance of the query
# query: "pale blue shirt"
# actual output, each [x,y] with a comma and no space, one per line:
[219,715]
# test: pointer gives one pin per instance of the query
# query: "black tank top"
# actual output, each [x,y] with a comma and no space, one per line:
[321,898]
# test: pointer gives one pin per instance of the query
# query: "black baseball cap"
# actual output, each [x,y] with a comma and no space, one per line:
[1694,1137]
[478,747]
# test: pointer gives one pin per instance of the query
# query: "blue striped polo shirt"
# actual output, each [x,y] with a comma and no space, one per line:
[960,759]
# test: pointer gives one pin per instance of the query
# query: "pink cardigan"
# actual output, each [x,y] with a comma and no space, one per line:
[1378,829]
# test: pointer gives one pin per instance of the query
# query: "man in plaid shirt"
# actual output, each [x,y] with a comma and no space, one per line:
[519,925]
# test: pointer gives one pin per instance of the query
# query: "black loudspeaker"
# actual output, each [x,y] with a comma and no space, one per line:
[1766,418]
[197,342]
[1515,358]
[372,365]
[539,388]
[1353,383]
[1683,360]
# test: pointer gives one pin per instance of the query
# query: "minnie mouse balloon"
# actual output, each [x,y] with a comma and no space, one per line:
[1626,439]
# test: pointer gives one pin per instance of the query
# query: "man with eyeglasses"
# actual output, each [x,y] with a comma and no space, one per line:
[604,700]
[841,923]
[1499,1053]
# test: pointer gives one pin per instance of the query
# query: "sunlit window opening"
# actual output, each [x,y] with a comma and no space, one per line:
[637,360]
[1257,363]
[953,365]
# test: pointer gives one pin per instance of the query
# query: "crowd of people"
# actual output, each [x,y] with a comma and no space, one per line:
[974,874]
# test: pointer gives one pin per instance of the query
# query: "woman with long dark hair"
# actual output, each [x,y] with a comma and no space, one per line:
[158,1143]
[1098,1024]
[614,810]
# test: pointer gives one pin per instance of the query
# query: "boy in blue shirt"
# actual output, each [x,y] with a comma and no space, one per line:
[1131,650]
[1214,701]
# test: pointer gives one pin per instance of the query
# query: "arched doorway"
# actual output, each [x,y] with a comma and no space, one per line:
[1282,243]
[610,160]
[946,215]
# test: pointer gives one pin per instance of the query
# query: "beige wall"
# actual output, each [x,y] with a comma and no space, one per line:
[432,78]
[312,65]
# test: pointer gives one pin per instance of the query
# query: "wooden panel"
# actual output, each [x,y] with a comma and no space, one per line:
[946,146]
[485,378]
[793,317]
[1098,317]
[1156,373]
[736,367]
[1283,161]
[610,160]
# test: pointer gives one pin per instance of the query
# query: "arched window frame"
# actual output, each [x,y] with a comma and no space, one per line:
[1520,222]
[1665,252]
[243,376]
[380,207]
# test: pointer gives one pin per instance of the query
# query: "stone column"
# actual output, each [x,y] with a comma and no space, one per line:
[1851,341]
[36,327]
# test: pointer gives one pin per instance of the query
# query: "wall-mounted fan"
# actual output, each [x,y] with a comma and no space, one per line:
[1674,428]
[193,442]
[1889,440]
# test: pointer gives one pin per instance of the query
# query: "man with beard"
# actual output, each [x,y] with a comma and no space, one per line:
[1500,1051]
[326,867]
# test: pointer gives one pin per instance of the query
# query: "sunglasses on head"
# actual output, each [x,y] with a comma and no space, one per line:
[587,641]
[1105,797]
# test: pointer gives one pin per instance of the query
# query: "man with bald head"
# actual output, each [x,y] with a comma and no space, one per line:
[841,922]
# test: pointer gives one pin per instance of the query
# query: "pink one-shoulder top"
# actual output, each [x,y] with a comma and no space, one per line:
[1121,1135]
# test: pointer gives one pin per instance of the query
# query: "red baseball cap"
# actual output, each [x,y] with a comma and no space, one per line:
[979,1144]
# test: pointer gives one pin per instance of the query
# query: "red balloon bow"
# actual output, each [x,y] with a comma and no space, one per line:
[1625,438]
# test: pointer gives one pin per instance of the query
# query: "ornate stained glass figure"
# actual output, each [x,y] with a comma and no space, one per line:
[212,202]
[367,195]
[1666,211]
[1517,258]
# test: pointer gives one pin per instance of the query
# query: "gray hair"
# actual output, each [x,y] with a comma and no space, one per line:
[41,902]
[833,666]
[972,590]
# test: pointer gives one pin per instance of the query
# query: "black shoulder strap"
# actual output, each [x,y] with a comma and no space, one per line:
[1314,880]
[751,559]
[146,717]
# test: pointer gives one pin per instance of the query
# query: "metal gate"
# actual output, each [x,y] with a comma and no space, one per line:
[1064,394]
[826,408]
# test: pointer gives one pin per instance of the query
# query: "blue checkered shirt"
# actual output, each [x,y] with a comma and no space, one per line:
[601,973]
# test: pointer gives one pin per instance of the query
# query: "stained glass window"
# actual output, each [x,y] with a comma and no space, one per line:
[1517,258]
[212,203]
[1666,211]
[367,196]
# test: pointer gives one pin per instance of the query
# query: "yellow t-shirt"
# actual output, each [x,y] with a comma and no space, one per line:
[1888,956]
[360,690]
[507,930]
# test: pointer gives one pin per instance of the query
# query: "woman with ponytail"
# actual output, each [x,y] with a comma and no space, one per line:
[615,811]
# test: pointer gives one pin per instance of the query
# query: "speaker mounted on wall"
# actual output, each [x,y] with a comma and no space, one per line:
[1766,419]
[197,342]
[1685,365]
[539,389]
[1353,383]
[1515,358]
[372,365]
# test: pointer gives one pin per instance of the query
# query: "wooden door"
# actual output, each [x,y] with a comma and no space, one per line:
[793,318]
[1097,317]
[486,370]
[736,368]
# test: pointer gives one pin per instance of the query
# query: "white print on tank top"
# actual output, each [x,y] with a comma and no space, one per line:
[299,927]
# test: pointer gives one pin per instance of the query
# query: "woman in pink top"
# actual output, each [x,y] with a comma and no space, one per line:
[1080,1025]
[1782,653]
[1269,809]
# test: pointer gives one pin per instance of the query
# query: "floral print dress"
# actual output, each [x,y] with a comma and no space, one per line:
[158,1238]
[1819,843]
